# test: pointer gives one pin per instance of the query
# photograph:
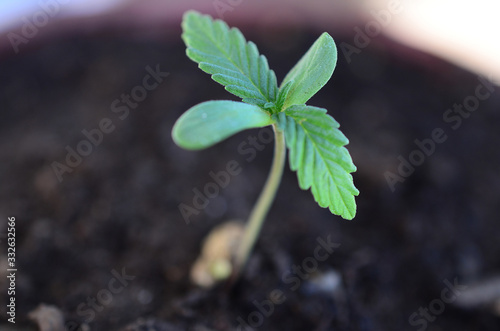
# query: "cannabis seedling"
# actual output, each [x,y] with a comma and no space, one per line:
[315,144]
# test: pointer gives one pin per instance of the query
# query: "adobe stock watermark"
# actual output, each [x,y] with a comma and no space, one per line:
[223,6]
[222,178]
[454,117]
[93,305]
[293,278]
[32,24]
[121,107]
[373,28]
[425,315]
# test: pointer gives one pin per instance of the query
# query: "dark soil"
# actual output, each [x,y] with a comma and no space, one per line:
[118,210]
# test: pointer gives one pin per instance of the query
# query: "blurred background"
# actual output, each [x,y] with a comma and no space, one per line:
[90,90]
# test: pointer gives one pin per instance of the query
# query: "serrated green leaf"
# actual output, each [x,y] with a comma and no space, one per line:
[210,122]
[318,155]
[283,94]
[312,71]
[229,58]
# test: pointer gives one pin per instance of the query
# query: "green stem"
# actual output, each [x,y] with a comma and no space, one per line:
[266,198]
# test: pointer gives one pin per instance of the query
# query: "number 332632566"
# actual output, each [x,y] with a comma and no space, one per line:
[11,240]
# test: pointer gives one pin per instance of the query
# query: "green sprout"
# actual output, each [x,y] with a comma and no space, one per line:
[315,144]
